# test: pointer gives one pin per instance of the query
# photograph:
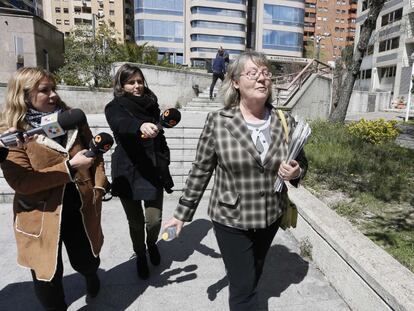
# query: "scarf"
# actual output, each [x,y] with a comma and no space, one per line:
[144,107]
[34,117]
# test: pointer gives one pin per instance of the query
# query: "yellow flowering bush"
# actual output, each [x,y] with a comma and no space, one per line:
[375,131]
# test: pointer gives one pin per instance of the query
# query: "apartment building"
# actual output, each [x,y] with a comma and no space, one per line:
[331,24]
[386,67]
[190,31]
[65,14]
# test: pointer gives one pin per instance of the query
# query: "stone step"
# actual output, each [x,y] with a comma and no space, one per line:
[216,104]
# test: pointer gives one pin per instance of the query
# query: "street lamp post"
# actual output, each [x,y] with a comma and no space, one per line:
[407,112]
[318,39]
[94,18]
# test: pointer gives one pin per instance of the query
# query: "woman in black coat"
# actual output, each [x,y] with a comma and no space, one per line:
[140,161]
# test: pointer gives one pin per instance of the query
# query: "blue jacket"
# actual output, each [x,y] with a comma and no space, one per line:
[219,65]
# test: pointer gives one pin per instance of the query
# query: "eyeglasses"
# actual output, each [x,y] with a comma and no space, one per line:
[255,74]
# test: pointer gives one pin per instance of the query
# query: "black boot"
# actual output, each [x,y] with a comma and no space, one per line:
[154,254]
[93,285]
[142,266]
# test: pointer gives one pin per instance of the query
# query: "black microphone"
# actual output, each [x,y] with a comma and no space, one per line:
[100,144]
[52,125]
[168,119]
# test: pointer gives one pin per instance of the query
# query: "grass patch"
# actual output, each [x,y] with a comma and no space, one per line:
[378,180]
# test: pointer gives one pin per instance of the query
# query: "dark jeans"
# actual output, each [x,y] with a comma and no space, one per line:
[140,223]
[72,234]
[213,83]
[244,253]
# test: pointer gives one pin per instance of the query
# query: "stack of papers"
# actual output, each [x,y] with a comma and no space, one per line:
[298,141]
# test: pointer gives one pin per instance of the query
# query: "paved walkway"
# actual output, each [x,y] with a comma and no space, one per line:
[191,275]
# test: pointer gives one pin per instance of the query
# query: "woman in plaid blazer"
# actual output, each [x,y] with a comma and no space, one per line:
[244,143]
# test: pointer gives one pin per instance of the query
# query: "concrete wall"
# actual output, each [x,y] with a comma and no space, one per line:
[363,101]
[366,276]
[313,100]
[170,85]
[38,37]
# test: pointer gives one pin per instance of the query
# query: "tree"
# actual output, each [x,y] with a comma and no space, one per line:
[339,112]
[88,58]
[144,53]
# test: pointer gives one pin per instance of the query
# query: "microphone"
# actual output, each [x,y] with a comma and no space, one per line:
[169,118]
[100,144]
[52,125]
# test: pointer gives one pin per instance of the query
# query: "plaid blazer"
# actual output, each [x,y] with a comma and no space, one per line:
[242,194]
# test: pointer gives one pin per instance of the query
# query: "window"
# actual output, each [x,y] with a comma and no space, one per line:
[57,10]
[218,25]
[156,30]
[388,72]
[66,22]
[46,59]
[58,21]
[111,12]
[283,15]
[389,44]
[66,10]
[282,40]
[391,17]
[165,7]
[216,11]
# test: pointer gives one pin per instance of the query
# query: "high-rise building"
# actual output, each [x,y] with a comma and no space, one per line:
[65,14]
[330,26]
[33,6]
[191,31]
[160,23]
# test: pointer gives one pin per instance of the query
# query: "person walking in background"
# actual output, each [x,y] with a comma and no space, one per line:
[58,191]
[219,69]
[244,143]
[140,162]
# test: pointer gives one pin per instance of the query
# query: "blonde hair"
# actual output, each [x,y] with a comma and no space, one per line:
[20,85]
[230,94]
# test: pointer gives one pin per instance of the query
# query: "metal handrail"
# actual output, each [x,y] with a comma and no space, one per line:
[313,66]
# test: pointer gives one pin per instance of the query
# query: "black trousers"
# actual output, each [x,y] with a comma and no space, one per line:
[73,235]
[213,83]
[244,253]
[143,227]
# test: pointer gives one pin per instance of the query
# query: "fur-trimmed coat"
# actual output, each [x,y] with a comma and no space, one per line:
[38,173]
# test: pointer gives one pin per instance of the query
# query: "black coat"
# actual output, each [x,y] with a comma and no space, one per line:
[139,166]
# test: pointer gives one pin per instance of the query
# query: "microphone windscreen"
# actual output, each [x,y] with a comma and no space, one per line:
[100,144]
[170,117]
[70,119]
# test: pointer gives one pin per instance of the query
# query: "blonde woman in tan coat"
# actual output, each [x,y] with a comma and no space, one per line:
[58,191]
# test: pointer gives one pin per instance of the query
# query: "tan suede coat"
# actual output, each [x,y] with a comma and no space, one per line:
[38,173]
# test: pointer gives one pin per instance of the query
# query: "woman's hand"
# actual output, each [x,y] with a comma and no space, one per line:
[149,130]
[174,222]
[289,171]
[21,139]
[80,161]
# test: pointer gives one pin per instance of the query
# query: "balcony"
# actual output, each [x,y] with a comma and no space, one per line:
[310,19]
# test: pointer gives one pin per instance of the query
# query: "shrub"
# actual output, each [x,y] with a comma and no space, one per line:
[376,132]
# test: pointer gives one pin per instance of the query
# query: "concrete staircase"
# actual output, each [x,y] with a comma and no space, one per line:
[202,103]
